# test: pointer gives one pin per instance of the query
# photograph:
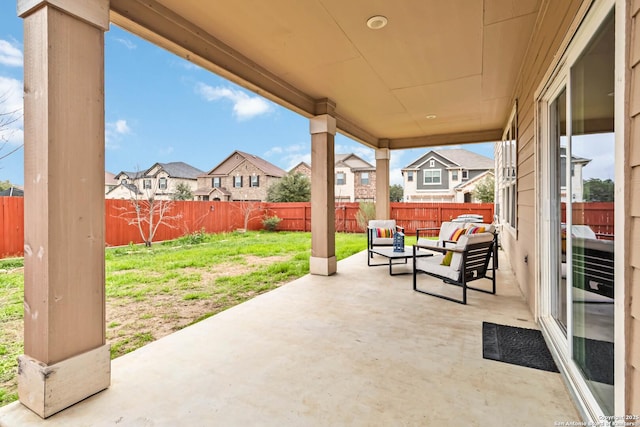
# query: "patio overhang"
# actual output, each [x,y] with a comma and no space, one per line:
[439,73]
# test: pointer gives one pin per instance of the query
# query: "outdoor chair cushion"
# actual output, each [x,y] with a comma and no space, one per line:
[389,224]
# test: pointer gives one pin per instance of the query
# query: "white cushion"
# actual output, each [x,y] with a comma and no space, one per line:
[382,223]
[382,241]
[428,243]
[462,243]
[433,265]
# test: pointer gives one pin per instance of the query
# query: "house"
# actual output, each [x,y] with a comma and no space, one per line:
[535,75]
[447,175]
[13,191]
[241,176]
[160,180]
[355,178]
[110,181]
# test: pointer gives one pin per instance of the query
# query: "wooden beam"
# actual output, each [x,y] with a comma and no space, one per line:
[491,135]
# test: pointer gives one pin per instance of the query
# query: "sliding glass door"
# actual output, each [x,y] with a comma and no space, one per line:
[576,232]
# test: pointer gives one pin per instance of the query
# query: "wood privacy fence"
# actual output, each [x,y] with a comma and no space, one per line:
[216,217]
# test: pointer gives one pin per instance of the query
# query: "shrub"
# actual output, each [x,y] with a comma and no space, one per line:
[366,213]
[194,238]
[270,223]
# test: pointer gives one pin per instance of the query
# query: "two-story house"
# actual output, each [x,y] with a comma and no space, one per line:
[355,178]
[241,176]
[159,181]
[448,175]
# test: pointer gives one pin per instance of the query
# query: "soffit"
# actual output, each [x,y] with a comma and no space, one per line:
[457,59]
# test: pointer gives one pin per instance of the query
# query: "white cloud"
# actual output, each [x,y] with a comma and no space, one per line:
[274,150]
[122,127]
[165,151]
[113,133]
[126,43]
[11,111]
[245,107]
[10,55]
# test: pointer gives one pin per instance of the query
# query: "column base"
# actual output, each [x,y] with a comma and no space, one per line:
[47,390]
[323,266]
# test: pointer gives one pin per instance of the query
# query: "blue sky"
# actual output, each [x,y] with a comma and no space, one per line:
[161,108]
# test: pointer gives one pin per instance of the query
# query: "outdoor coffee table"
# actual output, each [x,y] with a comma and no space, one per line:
[388,252]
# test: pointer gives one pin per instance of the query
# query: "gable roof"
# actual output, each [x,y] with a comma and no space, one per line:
[131,187]
[177,170]
[456,157]
[225,167]
[353,162]
[130,175]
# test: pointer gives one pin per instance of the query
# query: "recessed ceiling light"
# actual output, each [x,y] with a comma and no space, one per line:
[430,116]
[376,22]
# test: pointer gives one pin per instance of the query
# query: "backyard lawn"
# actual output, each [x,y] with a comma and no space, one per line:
[152,292]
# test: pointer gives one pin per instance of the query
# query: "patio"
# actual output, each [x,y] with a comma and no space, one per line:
[356,348]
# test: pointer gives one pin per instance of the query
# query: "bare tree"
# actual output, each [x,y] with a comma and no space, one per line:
[7,119]
[146,212]
[249,209]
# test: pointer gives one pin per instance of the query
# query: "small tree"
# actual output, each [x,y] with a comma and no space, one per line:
[294,187]
[249,209]
[183,192]
[366,213]
[485,190]
[396,193]
[598,190]
[147,213]
[5,185]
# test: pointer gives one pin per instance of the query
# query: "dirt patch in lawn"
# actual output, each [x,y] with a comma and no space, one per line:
[132,323]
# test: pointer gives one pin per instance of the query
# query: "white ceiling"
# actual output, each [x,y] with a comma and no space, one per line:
[455,59]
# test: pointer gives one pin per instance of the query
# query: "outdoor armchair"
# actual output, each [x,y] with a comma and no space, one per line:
[469,260]
[380,233]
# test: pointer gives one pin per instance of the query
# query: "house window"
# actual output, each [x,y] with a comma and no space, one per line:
[146,184]
[432,163]
[364,178]
[255,181]
[237,181]
[465,174]
[410,176]
[454,176]
[162,183]
[506,170]
[215,182]
[432,177]
[340,178]
[124,181]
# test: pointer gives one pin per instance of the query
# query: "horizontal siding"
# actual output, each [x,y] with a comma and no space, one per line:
[632,376]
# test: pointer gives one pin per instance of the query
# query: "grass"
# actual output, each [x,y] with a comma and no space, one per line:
[151,292]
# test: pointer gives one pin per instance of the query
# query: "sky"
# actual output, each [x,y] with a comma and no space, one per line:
[161,108]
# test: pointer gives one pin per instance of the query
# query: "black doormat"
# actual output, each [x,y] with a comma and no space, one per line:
[518,346]
[595,359]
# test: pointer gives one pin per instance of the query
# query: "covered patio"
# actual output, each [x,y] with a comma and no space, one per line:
[392,76]
[358,348]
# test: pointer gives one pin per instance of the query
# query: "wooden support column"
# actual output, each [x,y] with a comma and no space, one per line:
[66,359]
[383,206]
[323,244]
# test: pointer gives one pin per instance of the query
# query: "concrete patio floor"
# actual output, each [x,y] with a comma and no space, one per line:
[359,348]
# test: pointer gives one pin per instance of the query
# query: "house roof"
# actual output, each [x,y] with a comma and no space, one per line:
[464,184]
[130,175]
[456,157]
[177,170]
[225,167]
[353,162]
[12,191]
[299,165]
[109,178]
[131,187]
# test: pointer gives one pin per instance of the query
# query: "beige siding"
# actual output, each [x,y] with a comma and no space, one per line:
[554,22]
[632,375]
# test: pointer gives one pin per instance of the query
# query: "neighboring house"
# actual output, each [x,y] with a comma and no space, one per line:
[241,176]
[160,180]
[445,176]
[110,182]
[12,191]
[355,178]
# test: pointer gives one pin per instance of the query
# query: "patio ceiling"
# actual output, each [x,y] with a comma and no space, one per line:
[458,59]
